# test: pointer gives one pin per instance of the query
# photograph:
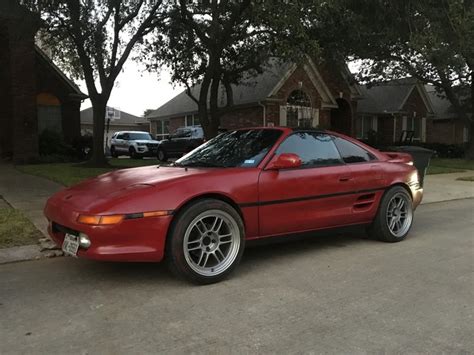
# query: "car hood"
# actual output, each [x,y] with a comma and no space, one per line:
[113,187]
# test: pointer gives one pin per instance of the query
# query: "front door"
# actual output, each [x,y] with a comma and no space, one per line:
[317,195]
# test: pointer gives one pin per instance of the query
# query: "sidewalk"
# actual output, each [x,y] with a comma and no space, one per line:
[445,187]
[27,193]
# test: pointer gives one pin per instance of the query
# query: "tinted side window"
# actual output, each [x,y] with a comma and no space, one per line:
[119,136]
[352,153]
[314,149]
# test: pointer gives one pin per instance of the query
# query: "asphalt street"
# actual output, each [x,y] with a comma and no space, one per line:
[324,294]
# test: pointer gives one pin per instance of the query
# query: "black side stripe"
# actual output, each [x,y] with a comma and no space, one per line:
[306,198]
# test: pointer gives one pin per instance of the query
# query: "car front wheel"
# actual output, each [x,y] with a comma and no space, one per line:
[134,154]
[206,242]
[113,152]
[394,217]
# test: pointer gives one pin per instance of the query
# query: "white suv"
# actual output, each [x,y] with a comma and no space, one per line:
[136,144]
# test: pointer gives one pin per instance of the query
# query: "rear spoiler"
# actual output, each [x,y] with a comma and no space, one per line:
[397,157]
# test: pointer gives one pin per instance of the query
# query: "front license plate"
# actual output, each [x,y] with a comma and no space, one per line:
[70,244]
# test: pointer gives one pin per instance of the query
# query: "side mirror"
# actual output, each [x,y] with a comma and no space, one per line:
[284,161]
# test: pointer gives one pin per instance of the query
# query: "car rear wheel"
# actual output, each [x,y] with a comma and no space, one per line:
[206,241]
[161,154]
[394,217]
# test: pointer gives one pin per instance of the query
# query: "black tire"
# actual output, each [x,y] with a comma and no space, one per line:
[113,152]
[134,154]
[379,229]
[161,155]
[178,258]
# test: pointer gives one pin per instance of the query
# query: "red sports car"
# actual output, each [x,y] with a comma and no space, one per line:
[242,185]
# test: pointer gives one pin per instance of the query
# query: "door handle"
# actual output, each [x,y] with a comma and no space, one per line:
[344,178]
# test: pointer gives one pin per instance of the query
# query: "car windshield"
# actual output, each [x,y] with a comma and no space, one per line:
[242,148]
[135,136]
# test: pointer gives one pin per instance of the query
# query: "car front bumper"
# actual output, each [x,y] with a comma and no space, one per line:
[141,239]
[147,151]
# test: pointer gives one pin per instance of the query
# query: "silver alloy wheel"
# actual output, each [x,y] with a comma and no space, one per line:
[399,214]
[211,242]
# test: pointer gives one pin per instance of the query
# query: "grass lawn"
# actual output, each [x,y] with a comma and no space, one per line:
[69,174]
[16,229]
[445,166]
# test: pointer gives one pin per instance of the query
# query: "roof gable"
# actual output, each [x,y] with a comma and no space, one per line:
[68,82]
[391,96]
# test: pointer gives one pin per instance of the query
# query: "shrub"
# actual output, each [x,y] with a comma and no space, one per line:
[53,148]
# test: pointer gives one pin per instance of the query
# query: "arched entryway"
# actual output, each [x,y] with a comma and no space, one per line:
[341,117]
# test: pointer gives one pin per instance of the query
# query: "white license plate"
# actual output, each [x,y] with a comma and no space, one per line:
[70,244]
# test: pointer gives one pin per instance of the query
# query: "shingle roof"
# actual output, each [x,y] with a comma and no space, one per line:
[441,106]
[385,97]
[249,91]
[125,118]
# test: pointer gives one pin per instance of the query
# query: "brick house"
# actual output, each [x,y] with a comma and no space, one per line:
[391,109]
[285,94]
[35,95]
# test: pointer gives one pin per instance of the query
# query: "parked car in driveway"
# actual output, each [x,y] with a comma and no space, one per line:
[242,185]
[182,141]
[136,144]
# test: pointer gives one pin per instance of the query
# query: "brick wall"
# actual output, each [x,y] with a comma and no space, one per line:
[243,117]
[23,90]
[6,147]
[445,131]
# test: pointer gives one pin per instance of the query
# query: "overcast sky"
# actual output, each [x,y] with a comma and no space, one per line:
[136,90]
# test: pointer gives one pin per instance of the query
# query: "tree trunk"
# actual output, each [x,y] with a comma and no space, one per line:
[98,110]
[206,123]
[214,107]
[469,154]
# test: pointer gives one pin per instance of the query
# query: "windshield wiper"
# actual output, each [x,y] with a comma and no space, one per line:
[200,163]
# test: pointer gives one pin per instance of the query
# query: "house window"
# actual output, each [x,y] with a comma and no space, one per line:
[162,130]
[364,125]
[49,113]
[191,120]
[414,124]
[298,110]
[465,134]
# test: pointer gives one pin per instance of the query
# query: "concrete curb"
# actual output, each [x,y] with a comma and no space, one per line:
[23,253]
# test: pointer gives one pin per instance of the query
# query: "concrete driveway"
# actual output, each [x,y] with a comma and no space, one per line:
[327,294]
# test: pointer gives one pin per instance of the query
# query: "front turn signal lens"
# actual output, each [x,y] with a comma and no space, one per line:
[100,220]
[156,214]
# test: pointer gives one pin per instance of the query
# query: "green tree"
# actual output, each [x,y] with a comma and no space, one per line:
[431,40]
[217,43]
[92,40]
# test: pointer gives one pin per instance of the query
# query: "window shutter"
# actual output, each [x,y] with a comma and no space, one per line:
[375,123]
[315,117]
[423,129]
[283,115]
[404,123]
